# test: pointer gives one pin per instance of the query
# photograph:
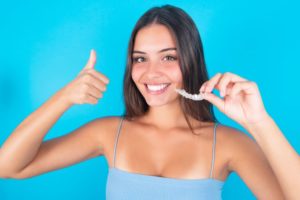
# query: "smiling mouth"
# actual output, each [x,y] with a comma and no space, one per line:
[157,88]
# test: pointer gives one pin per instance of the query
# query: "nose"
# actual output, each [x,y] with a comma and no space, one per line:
[154,69]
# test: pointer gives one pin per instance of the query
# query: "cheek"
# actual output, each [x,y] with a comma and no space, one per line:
[174,72]
[136,73]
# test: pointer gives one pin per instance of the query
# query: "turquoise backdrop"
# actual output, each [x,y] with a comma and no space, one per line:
[45,44]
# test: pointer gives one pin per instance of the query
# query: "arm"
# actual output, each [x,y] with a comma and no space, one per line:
[249,162]
[86,142]
[24,144]
[283,158]
[242,102]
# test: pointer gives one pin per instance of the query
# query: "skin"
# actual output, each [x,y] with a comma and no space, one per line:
[158,143]
[242,102]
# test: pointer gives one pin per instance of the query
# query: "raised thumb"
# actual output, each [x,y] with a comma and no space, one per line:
[92,60]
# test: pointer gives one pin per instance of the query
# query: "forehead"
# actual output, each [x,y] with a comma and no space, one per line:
[153,38]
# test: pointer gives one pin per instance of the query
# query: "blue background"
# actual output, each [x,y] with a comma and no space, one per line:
[44,45]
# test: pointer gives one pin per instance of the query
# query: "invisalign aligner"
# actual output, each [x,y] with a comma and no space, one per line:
[195,97]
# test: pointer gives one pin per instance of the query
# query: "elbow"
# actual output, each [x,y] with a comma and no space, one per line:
[4,176]
[11,175]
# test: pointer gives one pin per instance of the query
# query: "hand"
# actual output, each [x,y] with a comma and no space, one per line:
[88,86]
[242,100]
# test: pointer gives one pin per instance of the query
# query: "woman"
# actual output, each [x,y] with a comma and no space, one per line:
[165,146]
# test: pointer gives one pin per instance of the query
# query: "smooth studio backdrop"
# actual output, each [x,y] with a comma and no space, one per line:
[45,44]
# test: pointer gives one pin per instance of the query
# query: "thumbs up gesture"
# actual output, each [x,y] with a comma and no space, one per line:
[88,86]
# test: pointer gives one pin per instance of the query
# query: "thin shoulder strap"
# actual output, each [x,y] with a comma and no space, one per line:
[116,140]
[213,151]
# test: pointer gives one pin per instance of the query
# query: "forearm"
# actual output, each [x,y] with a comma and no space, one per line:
[282,157]
[22,145]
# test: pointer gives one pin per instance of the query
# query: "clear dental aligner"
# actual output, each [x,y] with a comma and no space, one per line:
[195,97]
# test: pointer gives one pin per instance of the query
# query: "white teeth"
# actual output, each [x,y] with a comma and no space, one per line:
[156,87]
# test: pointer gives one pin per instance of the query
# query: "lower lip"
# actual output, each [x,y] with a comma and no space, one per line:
[157,92]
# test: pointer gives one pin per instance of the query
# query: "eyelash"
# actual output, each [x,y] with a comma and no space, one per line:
[135,59]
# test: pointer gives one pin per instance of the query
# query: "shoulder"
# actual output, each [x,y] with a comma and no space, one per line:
[246,158]
[106,122]
[103,125]
[103,130]
[232,136]
[236,146]
[106,126]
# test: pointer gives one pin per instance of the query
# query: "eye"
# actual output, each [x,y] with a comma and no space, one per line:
[138,59]
[170,58]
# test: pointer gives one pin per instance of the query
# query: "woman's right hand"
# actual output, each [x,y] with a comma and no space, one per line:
[87,87]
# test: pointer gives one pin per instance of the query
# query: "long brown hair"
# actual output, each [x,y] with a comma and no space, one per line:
[191,61]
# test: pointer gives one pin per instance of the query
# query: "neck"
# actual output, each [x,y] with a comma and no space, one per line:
[166,116]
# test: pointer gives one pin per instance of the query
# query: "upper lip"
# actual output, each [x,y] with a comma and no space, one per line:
[155,83]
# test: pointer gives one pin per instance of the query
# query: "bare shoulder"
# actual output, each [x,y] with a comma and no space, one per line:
[237,147]
[106,124]
[106,127]
[247,159]
[232,136]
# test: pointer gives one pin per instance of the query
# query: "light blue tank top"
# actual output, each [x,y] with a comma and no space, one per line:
[123,185]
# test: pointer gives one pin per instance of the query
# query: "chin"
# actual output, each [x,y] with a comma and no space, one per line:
[156,104]
[155,99]
[159,102]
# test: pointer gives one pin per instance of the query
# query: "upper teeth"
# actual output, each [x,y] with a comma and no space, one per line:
[156,87]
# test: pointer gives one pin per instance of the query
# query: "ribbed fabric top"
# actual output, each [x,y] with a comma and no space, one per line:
[123,185]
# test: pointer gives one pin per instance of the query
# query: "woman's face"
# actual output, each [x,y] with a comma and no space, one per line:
[155,66]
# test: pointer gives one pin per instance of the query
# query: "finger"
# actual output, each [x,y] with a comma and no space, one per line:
[209,85]
[246,86]
[227,79]
[92,60]
[100,85]
[228,89]
[90,99]
[235,76]
[94,92]
[203,87]
[92,80]
[212,98]
[99,76]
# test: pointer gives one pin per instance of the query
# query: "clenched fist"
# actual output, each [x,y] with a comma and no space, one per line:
[88,86]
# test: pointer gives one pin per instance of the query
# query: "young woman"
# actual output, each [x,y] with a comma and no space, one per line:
[165,146]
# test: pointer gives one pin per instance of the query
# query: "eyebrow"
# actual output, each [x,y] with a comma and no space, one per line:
[167,49]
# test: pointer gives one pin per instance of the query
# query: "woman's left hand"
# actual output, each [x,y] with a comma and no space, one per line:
[242,101]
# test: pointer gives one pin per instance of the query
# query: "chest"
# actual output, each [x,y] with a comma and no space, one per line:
[173,153]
